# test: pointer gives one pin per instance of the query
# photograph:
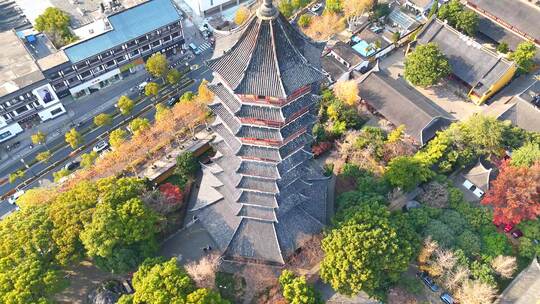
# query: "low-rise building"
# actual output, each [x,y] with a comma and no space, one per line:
[482,71]
[421,7]
[340,60]
[519,17]
[115,45]
[524,109]
[401,104]
[478,177]
[25,93]
[525,288]
[206,7]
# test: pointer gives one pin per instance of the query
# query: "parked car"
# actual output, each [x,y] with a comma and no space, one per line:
[508,227]
[100,146]
[317,6]
[447,298]
[72,165]
[142,85]
[13,199]
[428,281]
[517,234]
[172,101]
[194,48]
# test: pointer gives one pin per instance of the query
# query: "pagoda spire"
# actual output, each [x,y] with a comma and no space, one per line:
[267,10]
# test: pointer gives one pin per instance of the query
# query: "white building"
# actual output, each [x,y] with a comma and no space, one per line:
[205,7]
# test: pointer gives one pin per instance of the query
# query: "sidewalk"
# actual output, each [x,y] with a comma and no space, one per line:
[77,111]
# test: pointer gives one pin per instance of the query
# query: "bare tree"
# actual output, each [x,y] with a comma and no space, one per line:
[476,292]
[505,266]
[445,259]
[430,246]
[203,272]
[454,279]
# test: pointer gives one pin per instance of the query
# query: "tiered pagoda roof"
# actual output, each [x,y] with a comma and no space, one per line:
[271,193]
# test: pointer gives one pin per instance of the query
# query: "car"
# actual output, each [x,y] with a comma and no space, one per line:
[428,281]
[13,199]
[194,48]
[142,85]
[172,101]
[517,234]
[100,146]
[72,165]
[447,298]
[508,227]
[194,67]
[316,7]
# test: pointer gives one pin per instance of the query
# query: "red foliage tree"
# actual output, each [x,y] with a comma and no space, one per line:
[514,195]
[171,192]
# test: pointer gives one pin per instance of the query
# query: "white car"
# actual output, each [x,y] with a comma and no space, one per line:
[13,199]
[100,146]
[317,6]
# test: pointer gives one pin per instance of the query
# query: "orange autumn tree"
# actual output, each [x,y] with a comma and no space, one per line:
[514,195]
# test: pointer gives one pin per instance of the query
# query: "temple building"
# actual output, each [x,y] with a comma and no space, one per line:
[263,194]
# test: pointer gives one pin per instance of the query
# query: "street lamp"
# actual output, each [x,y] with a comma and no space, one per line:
[27,166]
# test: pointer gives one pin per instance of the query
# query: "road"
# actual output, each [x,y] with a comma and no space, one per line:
[145,109]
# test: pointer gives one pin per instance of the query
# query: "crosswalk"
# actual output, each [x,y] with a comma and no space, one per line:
[203,47]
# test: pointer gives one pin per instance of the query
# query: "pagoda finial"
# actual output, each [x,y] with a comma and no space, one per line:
[267,10]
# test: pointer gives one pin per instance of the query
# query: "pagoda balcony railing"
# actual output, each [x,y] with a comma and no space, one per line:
[258,159]
[297,114]
[275,101]
[260,141]
[294,135]
[261,122]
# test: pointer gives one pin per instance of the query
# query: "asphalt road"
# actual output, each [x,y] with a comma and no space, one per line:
[144,109]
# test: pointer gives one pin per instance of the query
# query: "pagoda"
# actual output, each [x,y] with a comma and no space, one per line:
[263,194]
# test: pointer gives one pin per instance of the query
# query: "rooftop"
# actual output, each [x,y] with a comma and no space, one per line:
[498,33]
[470,61]
[522,17]
[347,53]
[525,288]
[401,104]
[11,16]
[333,67]
[524,113]
[481,174]
[126,25]
[17,67]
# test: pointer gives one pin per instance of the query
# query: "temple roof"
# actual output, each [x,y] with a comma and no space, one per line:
[267,57]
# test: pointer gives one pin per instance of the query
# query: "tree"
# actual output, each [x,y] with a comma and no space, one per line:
[39,138]
[286,8]
[55,22]
[117,138]
[125,105]
[160,282]
[495,244]
[450,12]
[395,37]
[503,48]
[186,165]
[334,6]
[483,133]
[36,197]
[74,138]
[347,91]
[441,233]
[14,176]
[58,175]
[396,134]
[43,156]
[28,272]
[204,94]
[324,26]
[514,194]
[433,10]
[203,271]
[505,266]
[524,56]
[103,119]
[296,290]
[476,292]
[121,233]
[426,65]
[298,4]
[187,97]
[171,192]
[151,89]
[304,20]
[88,159]
[241,15]
[138,125]
[407,172]
[205,296]
[353,8]
[526,155]
[469,242]
[162,112]
[369,250]
[173,76]
[157,65]
[467,22]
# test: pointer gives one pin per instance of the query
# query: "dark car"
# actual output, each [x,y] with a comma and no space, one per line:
[447,298]
[428,281]
[172,101]
[517,234]
[72,165]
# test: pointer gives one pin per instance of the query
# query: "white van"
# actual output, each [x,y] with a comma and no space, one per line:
[142,86]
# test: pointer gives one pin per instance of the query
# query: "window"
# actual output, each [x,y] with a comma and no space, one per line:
[85,74]
[6,116]
[156,43]
[167,38]
[94,60]
[56,111]
[145,48]
[21,110]
[134,53]
[175,34]
[81,65]
[120,59]
[142,39]
[110,63]
[5,135]
[131,43]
